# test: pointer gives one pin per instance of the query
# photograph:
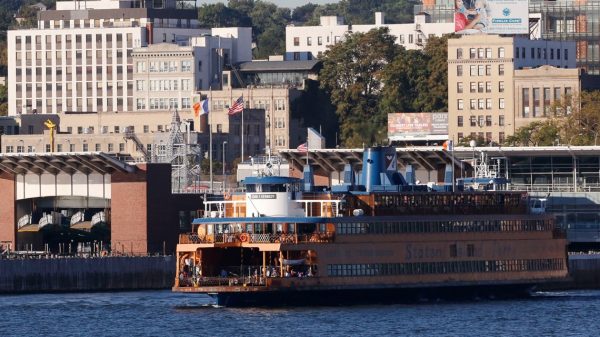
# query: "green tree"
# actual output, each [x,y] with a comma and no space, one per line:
[270,20]
[433,87]
[219,15]
[402,78]
[352,74]
[304,13]
[538,133]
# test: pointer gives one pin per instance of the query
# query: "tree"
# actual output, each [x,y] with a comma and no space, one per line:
[352,74]
[270,20]
[303,14]
[538,133]
[219,15]
[433,88]
[402,78]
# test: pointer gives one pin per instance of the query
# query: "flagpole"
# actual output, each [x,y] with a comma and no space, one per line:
[242,133]
[210,166]
[452,155]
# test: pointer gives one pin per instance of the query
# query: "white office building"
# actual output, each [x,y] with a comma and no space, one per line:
[79,58]
[308,42]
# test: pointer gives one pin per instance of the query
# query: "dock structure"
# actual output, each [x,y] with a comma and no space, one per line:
[61,202]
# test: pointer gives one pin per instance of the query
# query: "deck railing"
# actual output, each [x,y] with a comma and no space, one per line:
[221,281]
[191,238]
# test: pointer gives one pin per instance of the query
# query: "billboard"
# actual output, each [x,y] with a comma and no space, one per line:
[418,126]
[491,16]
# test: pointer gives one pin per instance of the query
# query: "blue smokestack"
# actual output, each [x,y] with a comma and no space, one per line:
[309,180]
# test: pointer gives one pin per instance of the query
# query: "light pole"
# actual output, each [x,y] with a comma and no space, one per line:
[224,177]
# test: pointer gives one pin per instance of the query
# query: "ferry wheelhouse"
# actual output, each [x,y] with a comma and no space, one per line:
[282,242]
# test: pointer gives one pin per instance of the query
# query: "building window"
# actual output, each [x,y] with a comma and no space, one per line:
[488,53]
[473,104]
[473,87]
[488,86]
[121,147]
[459,53]
[459,70]
[460,137]
[558,54]
[481,70]
[481,121]
[481,104]
[473,121]
[186,66]
[309,41]
[501,103]
[525,107]
[98,147]
[517,52]
[459,120]
[488,103]
[473,70]
[480,53]
[501,120]
[140,103]
[501,69]
[319,40]
[459,87]
[85,147]
[296,56]
[296,41]
[185,103]
[472,53]
[547,102]
[488,120]
[480,87]
[401,37]
[139,85]
[111,147]
[501,86]
[459,104]
[557,94]
[501,137]
[501,52]
[116,128]
[410,39]
[488,69]
[537,103]
[533,53]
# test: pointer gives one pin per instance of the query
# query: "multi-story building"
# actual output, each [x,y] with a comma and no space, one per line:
[79,58]
[308,42]
[565,20]
[166,75]
[497,84]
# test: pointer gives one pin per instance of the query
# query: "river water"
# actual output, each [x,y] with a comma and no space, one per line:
[162,313]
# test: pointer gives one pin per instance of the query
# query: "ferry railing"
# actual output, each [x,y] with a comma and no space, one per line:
[202,281]
[193,238]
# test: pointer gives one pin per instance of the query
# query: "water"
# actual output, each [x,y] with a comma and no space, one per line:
[162,313]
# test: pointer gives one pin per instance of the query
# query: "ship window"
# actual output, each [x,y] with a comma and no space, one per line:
[453,250]
[470,250]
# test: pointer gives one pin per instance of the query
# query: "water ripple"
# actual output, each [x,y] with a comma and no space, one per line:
[162,313]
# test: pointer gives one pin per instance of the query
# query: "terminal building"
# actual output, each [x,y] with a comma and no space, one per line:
[567,176]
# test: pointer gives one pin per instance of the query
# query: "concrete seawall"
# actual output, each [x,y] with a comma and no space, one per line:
[86,274]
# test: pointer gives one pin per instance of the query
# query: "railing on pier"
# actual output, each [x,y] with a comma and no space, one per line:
[193,238]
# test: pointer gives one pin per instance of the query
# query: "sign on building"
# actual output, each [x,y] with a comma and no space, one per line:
[418,126]
[491,16]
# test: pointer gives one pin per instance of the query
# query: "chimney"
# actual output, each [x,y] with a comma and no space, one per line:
[379,18]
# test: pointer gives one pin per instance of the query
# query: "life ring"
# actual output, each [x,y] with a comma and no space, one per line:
[244,237]
[104,253]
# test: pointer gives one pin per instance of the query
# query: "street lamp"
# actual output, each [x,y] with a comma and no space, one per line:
[224,177]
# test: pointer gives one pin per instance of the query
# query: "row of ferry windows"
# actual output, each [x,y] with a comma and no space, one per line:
[498,199]
[458,226]
[421,268]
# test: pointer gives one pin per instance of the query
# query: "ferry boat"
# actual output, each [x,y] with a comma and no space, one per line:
[384,239]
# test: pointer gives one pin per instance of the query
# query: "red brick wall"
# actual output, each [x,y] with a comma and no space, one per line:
[129,216]
[8,223]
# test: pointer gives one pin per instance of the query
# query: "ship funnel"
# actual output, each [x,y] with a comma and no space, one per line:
[380,168]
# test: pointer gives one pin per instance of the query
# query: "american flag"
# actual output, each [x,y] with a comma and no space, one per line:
[237,106]
[302,147]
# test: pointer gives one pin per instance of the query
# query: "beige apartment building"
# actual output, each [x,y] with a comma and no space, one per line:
[497,84]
